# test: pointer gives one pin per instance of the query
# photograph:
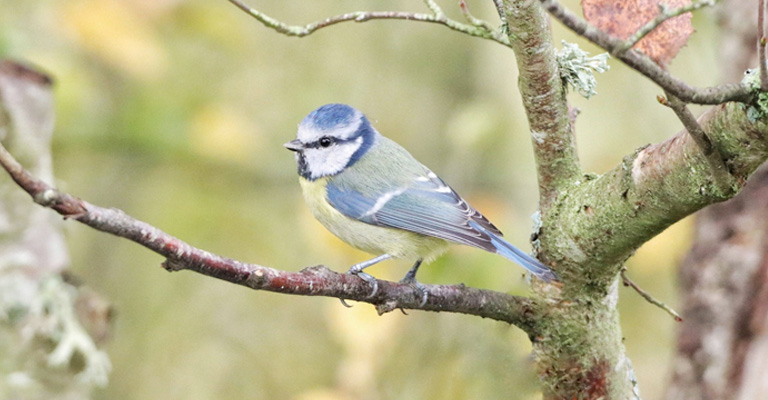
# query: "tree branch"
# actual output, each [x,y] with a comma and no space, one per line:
[603,221]
[761,45]
[472,19]
[644,65]
[722,179]
[312,281]
[41,313]
[543,95]
[664,15]
[477,28]
[647,296]
[590,232]
[723,280]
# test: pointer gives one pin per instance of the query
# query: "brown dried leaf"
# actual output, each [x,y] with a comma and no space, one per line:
[622,18]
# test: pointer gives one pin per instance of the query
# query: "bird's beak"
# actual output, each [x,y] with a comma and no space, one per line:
[294,145]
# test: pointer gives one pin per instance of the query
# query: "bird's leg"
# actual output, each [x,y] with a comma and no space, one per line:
[410,278]
[358,268]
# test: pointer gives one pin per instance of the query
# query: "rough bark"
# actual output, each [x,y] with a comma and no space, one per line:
[592,224]
[722,348]
[543,94]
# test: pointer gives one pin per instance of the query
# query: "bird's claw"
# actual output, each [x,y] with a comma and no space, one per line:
[411,280]
[368,278]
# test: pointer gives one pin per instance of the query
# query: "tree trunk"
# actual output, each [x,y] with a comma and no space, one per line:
[46,351]
[723,342]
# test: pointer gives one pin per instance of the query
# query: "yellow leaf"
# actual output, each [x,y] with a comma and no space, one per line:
[221,133]
[116,34]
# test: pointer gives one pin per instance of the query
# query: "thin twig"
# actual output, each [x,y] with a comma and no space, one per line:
[648,297]
[761,45]
[722,178]
[314,281]
[689,122]
[437,17]
[472,19]
[500,9]
[644,65]
[434,7]
[664,15]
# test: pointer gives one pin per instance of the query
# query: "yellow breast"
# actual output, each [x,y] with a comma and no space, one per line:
[369,238]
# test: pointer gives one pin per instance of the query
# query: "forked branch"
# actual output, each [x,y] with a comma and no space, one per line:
[721,178]
[663,16]
[644,65]
[476,27]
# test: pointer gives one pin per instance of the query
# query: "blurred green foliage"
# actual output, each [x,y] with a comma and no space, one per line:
[175,111]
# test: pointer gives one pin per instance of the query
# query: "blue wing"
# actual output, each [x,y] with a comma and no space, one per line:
[426,205]
[429,207]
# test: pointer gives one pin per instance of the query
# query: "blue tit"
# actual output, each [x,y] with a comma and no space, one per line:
[372,194]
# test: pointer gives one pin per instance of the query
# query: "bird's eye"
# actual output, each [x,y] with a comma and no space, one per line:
[325,141]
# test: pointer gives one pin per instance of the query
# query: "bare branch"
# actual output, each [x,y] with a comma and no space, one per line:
[313,281]
[647,296]
[472,19]
[438,17]
[434,7]
[664,15]
[644,65]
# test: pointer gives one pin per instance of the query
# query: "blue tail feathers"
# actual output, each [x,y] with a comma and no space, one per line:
[510,252]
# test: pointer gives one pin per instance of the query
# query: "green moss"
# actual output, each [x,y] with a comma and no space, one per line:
[758,109]
[588,354]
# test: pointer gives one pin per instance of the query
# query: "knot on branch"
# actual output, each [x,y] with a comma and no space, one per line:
[171,265]
[317,270]
[387,306]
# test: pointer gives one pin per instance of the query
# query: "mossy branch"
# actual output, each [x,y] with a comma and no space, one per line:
[604,219]
[543,95]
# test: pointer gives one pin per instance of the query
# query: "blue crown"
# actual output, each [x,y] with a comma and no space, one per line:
[330,116]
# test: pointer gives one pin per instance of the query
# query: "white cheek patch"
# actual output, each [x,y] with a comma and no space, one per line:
[332,160]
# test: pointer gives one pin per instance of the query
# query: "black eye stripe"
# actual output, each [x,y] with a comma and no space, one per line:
[316,144]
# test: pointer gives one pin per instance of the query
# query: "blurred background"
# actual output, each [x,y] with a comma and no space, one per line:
[176,111]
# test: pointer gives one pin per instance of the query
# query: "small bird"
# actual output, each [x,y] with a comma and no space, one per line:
[372,194]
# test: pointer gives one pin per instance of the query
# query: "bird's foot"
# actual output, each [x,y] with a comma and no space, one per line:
[366,277]
[410,279]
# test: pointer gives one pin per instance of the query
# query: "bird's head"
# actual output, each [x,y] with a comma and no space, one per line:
[330,139]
